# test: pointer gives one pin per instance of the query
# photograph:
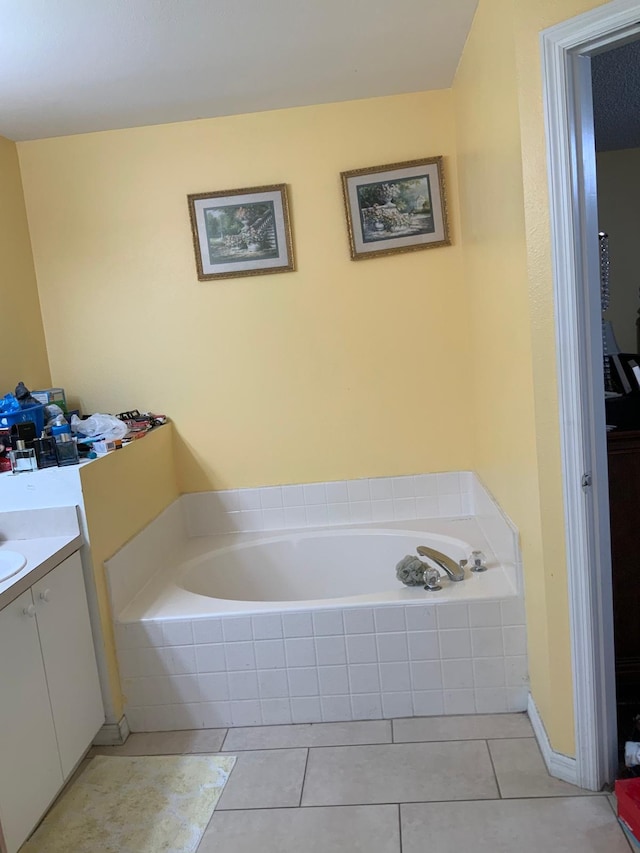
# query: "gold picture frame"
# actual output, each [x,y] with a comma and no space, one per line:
[241,232]
[399,207]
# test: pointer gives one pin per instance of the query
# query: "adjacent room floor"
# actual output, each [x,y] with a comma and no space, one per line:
[438,784]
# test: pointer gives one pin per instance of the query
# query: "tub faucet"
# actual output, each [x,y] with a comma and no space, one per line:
[454,571]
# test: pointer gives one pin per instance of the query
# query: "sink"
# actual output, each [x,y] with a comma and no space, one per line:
[10,563]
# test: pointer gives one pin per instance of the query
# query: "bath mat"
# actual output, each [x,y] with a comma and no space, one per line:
[142,804]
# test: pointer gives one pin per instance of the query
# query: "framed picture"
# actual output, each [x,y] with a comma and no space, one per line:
[241,232]
[400,207]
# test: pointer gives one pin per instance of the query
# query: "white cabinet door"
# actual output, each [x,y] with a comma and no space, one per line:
[30,772]
[69,659]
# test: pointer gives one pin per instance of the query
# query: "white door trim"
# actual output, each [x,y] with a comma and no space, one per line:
[583,444]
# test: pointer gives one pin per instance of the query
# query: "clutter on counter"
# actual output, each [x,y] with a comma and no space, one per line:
[38,430]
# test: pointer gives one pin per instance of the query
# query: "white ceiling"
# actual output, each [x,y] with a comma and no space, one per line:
[73,66]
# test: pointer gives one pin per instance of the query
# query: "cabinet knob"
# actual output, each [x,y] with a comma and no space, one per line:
[45,595]
[30,610]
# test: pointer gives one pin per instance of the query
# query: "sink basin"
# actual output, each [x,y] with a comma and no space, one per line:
[10,563]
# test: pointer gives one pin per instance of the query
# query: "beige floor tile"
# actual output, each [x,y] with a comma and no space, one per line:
[167,743]
[398,773]
[476,727]
[521,771]
[573,825]
[365,829]
[265,780]
[308,734]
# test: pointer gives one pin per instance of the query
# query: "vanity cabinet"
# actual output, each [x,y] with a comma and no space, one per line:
[50,699]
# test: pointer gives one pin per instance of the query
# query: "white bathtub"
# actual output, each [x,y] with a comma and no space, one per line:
[312,626]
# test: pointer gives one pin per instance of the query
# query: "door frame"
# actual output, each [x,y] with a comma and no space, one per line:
[566,74]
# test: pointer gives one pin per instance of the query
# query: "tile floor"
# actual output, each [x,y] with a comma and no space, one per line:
[436,784]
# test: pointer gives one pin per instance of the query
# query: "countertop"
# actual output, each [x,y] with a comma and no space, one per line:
[45,537]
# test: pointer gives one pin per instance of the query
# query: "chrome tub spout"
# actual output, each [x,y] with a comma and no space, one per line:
[454,571]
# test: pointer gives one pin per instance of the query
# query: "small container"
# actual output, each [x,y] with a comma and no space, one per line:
[23,459]
[45,448]
[66,450]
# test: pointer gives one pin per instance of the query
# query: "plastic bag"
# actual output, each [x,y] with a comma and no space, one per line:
[100,427]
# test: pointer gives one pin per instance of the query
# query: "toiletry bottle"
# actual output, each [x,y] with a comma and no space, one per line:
[45,448]
[22,458]
[66,449]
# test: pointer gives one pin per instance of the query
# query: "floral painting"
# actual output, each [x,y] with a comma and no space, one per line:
[241,232]
[396,208]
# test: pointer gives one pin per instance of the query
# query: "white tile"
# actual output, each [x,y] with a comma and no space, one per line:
[382,510]
[248,499]
[366,706]
[453,616]
[403,487]
[293,495]
[330,650]
[363,678]
[394,677]
[333,680]
[180,660]
[457,674]
[516,671]
[273,519]
[129,635]
[314,493]
[267,626]
[228,499]
[420,617]
[129,663]
[251,519]
[327,622]
[187,716]
[459,702]
[183,689]
[152,631]
[428,703]
[358,490]
[448,483]
[216,714]
[484,614]
[273,683]
[456,643]
[275,712]
[177,632]
[317,515]
[269,654]
[336,708]
[211,658]
[136,718]
[360,512]
[240,656]
[426,675]
[389,619]
[214,686]
[337,492]
[361,648]
[243,685]
[515,640]
[161,718]
[517,698]
[303,681]
[381,488]
[425,485]
[295,516]
[271,497]
[449,505]
[466,503]
[392,647]
[300,651]
[427,507]
[487,642]
[207,631]
[246,713]
[359,621]
[297,624]
[237,628]
[306,709]
[338,513]
[404,509]
[489,672]
[397,705]
[491,700]
[513,612]
[423,645]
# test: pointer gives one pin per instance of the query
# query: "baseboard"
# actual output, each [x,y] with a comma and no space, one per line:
[113,734]
[561,766]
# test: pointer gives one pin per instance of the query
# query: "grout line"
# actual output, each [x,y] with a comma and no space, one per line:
[393,730]
[304,777]
[221,747]
[400,826]
[493,767]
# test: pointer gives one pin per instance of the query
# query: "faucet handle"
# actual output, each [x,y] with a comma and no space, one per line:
[478,562]
[431,579]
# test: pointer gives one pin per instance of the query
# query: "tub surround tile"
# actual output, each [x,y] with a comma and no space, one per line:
[335,708]
[246,712]
[359,621]
[331,650]
[366,706]
[396,705]
[207,631]
[328,623]
[305,709]
[492,700]
[416,772]
[276,711]
[270,654]
[273,684]
[459,702]
[267,626]
[237,628]
[297,624]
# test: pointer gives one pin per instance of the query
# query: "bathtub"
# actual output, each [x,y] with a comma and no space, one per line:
[312,625]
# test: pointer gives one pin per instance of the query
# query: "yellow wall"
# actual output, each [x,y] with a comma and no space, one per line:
[342,369]
[123,492]
[23,356]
